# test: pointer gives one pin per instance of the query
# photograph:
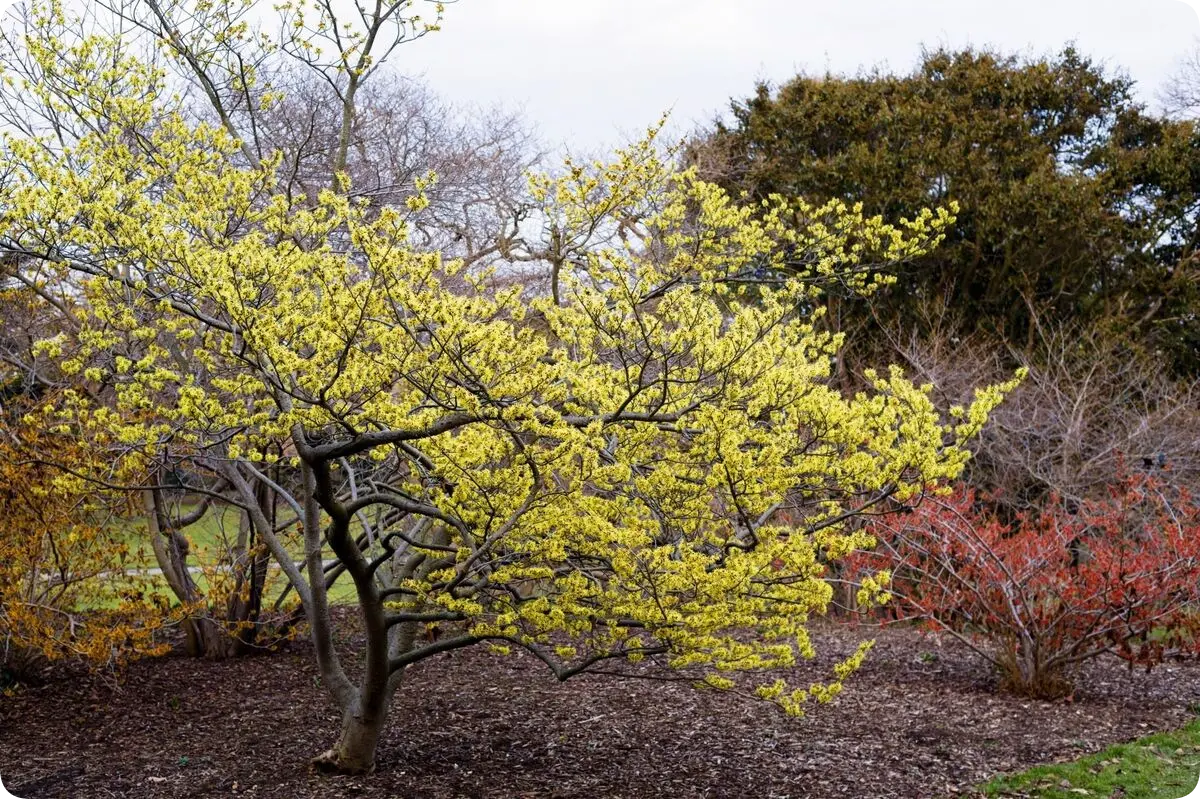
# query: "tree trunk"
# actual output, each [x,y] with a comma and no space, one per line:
[249,562]
[217,630]
[365,707]
[354,752]
[208,638]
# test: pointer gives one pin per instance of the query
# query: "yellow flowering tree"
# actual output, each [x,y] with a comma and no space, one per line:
[647,461]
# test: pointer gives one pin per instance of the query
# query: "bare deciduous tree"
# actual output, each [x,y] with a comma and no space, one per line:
[1180,94]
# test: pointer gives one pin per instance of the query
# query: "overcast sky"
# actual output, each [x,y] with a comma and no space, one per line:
[593,72]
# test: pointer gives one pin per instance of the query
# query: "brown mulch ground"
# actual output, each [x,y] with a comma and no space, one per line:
[474,724]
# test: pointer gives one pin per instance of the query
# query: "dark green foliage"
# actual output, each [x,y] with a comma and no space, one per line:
[1075,205]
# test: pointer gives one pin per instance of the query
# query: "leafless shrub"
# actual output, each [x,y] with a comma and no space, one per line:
[1089,408]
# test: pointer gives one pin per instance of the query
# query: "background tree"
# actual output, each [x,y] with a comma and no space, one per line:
[1076,206]
[401,134]
[596,476]
[1179,95]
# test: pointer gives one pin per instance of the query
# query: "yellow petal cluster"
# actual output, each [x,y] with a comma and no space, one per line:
[651,461]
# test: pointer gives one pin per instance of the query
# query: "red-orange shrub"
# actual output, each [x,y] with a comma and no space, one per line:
[1038,596]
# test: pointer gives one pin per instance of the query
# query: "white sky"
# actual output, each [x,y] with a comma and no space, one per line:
[591,73]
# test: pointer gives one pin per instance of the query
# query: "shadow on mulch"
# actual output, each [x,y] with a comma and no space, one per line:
[919,720]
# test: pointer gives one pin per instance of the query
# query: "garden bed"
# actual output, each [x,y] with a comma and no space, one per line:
[922,719]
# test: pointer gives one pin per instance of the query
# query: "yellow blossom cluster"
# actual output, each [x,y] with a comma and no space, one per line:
[651,461]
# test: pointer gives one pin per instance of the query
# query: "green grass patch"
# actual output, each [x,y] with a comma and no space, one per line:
[106,593]
[210,539]
[213,535]
[1161,766]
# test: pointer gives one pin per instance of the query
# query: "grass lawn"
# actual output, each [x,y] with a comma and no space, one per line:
[1161,766]
[342,592]
[210,538]
[215,533]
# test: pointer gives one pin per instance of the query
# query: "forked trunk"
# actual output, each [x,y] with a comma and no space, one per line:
[1026,673]
[365,706]
[212,639]
[354,752]
[215,630]
[205,638]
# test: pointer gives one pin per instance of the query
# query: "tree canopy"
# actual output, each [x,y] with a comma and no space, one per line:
[1075,205]
[647,461]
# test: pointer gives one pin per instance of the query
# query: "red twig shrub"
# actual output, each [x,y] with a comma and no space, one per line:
[1038,596]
